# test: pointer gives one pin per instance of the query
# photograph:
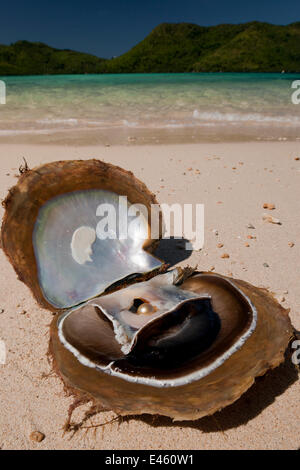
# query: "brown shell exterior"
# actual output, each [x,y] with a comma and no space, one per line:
[262,351]
[35,187]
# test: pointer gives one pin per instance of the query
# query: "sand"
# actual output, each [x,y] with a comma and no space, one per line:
[235,180]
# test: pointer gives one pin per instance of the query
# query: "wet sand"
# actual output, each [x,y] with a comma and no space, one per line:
[233,180]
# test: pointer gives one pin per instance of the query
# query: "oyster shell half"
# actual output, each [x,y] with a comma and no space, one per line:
[49,231]
[240,333]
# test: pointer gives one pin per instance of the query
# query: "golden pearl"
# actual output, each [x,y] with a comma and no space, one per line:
[145,309]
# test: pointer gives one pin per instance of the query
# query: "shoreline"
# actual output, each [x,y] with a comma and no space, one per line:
[124,136]
[166,108]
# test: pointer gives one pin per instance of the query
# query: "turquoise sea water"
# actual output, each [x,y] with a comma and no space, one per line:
[253,105]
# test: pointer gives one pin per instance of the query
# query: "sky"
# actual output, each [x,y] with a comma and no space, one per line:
[110,28]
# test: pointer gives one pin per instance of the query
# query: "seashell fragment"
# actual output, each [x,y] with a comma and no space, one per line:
[271,220]
[129,334]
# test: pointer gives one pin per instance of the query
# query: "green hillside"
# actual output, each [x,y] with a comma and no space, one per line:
[249,47]
[182,47]
[173,48]
[35,58]
[260,47]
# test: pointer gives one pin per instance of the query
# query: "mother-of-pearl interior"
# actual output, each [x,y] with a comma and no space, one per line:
[165,296]
[74,265]
[159,292]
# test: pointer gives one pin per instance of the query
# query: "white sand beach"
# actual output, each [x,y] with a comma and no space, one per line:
[233,181]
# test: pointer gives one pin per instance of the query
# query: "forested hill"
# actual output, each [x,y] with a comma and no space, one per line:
[182,47]
[35,58]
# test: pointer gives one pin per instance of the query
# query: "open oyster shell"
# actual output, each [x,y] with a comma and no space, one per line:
[128,334]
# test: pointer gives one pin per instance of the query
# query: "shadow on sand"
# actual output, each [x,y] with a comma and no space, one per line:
[262,394]
[172,250]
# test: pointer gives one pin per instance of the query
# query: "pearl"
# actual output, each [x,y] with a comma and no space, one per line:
[145,309]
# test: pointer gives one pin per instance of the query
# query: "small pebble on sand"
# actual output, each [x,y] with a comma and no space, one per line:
[250,226]
[220,245]
[225,255]
[37,436]
[268,206]
[291,244]
[247,245]
[266,265]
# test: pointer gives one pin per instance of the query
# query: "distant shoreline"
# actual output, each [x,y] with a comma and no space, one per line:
[253,47]
[148,73]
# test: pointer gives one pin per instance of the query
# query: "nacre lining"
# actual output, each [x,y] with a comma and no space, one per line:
[166,297]
[68,274]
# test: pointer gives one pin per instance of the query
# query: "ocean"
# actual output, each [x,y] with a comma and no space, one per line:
[150,107]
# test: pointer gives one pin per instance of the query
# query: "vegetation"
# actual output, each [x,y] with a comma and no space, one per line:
[35,58]
[183,47]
